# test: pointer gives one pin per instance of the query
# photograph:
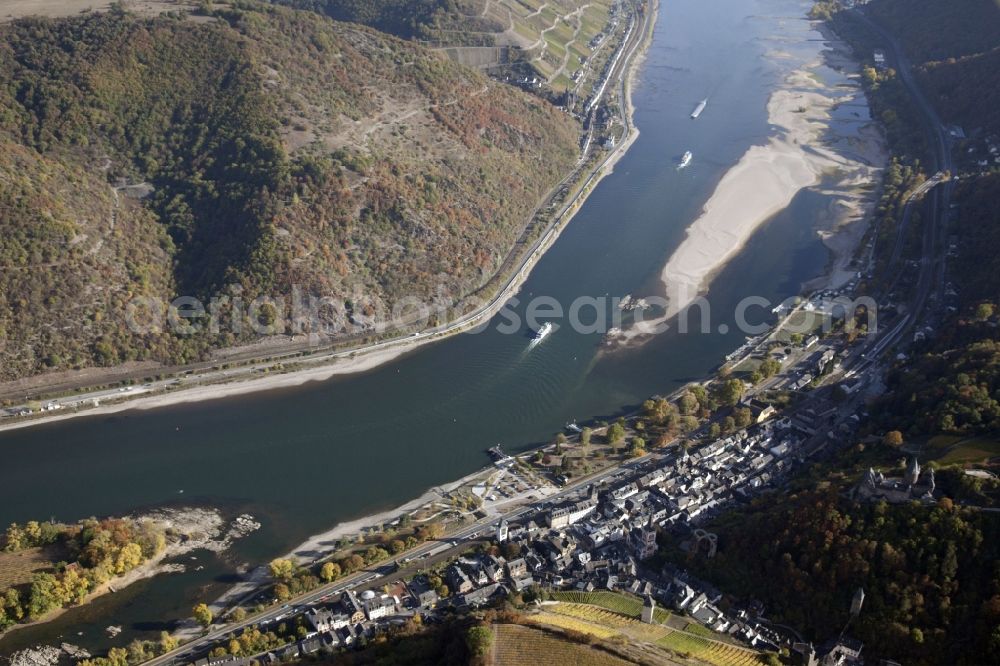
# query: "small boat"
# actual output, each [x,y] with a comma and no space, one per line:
[542,332]
[685,160]
[573,427]
[698,109]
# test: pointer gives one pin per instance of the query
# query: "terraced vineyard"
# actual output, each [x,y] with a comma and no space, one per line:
[613,601]
[515,645]
[711,651]
[558,37]
[699,630]
[605,614]
[593,614]
[561,621]
[631,627]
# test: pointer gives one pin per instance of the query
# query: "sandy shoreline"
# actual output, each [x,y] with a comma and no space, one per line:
[361,362]
[324,543]
[767,178]
[356,361]
[765,181]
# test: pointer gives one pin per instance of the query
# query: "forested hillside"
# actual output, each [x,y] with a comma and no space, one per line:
[245,150]
[956,48]
[404,18]
[930,574]
[951,382]
[952,385]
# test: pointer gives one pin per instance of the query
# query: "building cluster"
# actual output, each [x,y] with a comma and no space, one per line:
[597,539]
[839,652]
[332,626]
[700,600]
[913,485]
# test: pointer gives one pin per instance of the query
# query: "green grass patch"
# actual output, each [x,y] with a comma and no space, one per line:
[971,450]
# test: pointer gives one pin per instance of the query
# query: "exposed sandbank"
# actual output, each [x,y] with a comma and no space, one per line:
[808,148]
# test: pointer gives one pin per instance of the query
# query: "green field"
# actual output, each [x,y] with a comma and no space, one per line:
[972,450]
[954,450]
[801,322]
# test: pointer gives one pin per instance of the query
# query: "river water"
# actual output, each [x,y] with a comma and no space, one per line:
[303,459]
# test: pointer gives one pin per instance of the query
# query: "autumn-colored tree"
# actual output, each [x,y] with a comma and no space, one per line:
[281,568]
[430,531]
[688,404]
[616,433]
[167,642]
[203,614]
[329,572]
[893,438]
[479,639]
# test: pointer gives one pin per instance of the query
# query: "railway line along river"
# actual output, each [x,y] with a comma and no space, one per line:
[303,459]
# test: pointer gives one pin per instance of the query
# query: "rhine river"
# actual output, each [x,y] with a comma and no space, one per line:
[304,459]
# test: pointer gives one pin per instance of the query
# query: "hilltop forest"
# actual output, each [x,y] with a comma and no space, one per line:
[955,49]
[238,152]
[404,18]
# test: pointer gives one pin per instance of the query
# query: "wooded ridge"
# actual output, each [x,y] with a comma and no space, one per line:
[241,151]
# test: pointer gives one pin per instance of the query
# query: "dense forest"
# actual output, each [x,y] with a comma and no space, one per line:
[404,18]
[956,50]
[931,575]
[237,153]
[952,383]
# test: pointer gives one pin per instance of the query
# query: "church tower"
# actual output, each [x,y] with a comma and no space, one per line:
[912,472]
[649,610]
[502,530]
